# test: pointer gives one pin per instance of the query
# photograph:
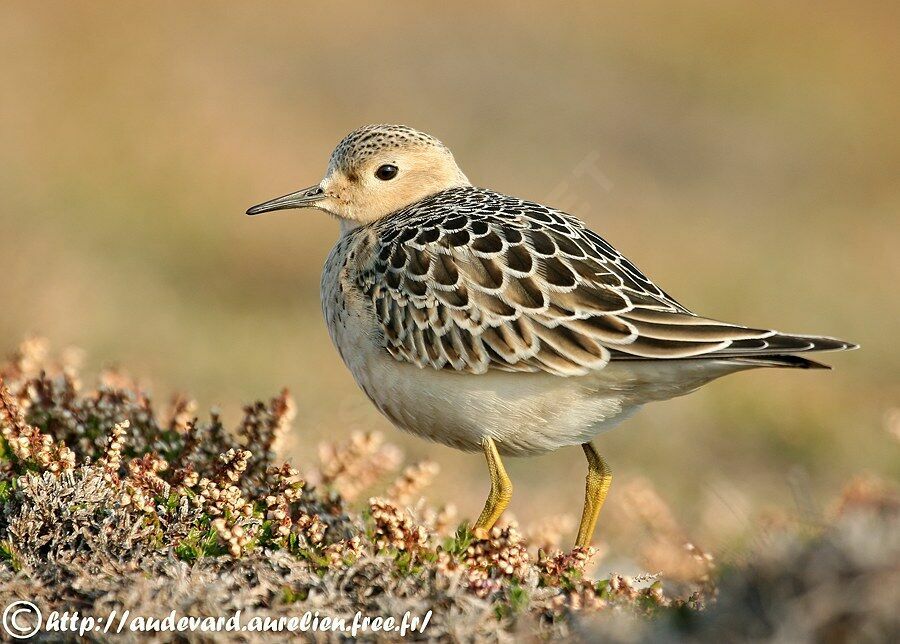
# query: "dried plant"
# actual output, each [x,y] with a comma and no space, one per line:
[501,556]
[26,442]
[111,460]
[356,464]
[414,478]
[395,528]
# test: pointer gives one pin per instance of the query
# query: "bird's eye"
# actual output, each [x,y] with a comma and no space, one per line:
[387,172]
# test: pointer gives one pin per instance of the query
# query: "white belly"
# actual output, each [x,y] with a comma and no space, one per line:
[524,413]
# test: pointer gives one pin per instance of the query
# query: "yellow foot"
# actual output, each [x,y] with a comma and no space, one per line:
[599,478]
[501,491]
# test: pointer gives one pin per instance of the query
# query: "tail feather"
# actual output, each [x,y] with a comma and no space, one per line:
[782,344]
[681,335]
[745,352]
[772,350]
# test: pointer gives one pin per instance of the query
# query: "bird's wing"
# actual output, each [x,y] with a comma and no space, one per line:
[471,280]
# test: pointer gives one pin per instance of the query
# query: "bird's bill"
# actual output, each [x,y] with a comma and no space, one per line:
[306,198]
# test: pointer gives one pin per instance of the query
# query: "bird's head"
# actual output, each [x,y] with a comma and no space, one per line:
[374,171]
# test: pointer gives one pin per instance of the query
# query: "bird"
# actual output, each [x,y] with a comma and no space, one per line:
[491,323]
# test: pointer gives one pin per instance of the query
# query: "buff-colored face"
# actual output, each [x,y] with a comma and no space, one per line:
[374,172]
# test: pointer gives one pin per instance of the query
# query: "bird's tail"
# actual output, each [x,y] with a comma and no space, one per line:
[778,350]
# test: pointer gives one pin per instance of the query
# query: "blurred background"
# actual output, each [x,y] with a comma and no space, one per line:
[745,156]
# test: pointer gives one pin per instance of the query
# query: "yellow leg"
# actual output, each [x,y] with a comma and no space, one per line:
[501,491]
[599,478]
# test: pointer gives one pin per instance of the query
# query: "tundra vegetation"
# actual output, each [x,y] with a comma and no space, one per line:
[111,502]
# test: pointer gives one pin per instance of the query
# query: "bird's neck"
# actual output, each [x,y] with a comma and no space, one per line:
[348,226]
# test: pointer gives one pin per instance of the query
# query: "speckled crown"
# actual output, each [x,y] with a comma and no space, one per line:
[368,140]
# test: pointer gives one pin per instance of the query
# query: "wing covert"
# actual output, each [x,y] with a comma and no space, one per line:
[471,280]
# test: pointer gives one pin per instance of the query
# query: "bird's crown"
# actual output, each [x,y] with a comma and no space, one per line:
[365,142]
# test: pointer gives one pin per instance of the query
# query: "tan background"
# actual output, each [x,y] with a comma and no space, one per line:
[746,157]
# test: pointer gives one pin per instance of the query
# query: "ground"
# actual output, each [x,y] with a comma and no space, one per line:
[110,505]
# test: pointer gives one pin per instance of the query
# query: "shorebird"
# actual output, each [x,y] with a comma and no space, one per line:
[488,322]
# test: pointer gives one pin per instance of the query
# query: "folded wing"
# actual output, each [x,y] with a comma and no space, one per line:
[471,280]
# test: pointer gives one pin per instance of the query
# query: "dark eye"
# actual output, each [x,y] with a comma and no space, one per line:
[387,172]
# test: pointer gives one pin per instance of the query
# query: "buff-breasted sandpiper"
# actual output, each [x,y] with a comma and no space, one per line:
[487,322]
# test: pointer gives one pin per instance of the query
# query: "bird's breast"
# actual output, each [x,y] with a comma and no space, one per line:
[350,318]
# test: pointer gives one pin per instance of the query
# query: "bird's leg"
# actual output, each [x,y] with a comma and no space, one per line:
[599,478]
[501,491]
